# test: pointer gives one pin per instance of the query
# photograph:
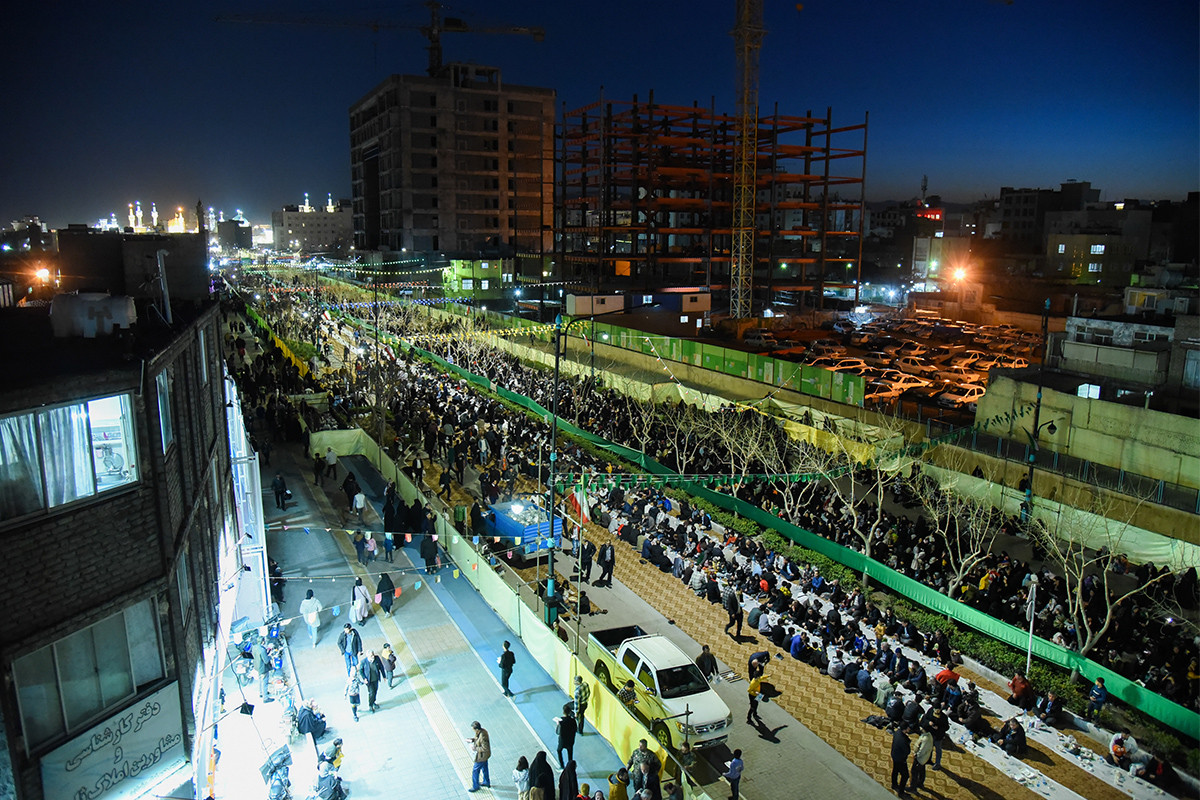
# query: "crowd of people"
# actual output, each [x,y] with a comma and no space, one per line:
[790,604]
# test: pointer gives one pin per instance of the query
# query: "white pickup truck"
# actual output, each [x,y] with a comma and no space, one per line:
[673,698]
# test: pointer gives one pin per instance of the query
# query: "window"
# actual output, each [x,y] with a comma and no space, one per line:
[184,579]
[1094,266]
[67,685]
[1089,390]
[468,284]
[484,284]
[203,344]
[165,422]
[630,660]
[646,677]
[1097,249]
[1062,248]
[67,453]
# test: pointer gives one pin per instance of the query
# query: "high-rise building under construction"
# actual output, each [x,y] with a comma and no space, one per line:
[646,199]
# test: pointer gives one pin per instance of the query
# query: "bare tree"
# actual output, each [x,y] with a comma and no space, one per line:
[858,461]
[681,426]
[1082,547]
[964,523]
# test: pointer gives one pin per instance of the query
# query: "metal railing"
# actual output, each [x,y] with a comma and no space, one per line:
[1153,490]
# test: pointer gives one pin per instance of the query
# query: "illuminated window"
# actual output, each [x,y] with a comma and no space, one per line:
[1062,248]
[63,454]
[1094,266]
[1097,249]
[468,284]
[484,284]
[1089,390]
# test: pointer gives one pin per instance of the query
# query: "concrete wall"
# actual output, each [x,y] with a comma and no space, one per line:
[1152,443]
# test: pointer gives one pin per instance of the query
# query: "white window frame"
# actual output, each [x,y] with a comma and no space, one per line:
[1095,266]
[1097,249]
[166,420]
[68,728]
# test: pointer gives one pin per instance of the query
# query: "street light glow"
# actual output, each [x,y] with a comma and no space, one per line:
[959,274]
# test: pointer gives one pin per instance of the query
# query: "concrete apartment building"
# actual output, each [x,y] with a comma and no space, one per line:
[312,229]
[116,507]
[458,162]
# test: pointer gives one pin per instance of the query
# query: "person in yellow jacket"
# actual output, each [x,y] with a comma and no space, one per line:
[754,689]
[618,785]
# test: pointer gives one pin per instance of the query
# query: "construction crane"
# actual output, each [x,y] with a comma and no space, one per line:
[433,31]
[747,35]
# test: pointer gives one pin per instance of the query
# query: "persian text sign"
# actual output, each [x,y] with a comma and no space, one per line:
[122,756]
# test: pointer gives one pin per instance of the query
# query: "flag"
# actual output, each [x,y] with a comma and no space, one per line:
[579,502]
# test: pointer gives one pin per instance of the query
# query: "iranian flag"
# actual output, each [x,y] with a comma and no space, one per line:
[579,502]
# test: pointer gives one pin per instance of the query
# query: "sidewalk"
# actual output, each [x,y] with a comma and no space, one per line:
[446,640]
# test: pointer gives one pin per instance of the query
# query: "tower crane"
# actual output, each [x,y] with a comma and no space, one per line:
[747,35]
[432,31]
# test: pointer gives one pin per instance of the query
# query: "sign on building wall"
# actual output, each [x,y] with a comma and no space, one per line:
[122,756]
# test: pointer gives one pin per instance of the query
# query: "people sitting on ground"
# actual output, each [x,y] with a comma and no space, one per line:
[1049,709]
[1022,695]
[1011,738]
[1122,749]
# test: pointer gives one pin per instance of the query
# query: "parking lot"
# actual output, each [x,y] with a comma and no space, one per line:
[920,368]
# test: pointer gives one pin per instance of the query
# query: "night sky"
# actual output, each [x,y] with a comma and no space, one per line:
[158,102]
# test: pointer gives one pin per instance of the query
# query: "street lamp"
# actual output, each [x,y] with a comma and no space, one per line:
[1027,506]
[560,333]
[1031,611]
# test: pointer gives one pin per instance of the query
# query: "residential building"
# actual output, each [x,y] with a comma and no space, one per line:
[310,229]
[1022,211]
[458,163]
[117,511]
[1097,245]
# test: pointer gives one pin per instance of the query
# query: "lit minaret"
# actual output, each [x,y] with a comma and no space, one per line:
[306,207]
[132,218]
[138,214]
[154,216]
[329,204]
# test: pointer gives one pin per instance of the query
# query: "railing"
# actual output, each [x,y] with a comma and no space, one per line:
[1152,490]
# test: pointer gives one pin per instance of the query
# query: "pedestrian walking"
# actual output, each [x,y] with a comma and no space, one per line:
[541,778]
[360,547]
[370,670]
[418,471]
[310,609]
[566,728]
[481,746]
[568,781]
[359,505]
[387,593]
[921,755]
[707,663]
[360,607]
[429,551]
[587,552]
[520,778]
[353,691]
[607,559]
[350,488]
[387,656]
[754,691]
[318,469]
[389,546]
[264,664]
[445,485]
[279,486]
[372,549]
[350,645]
[733,774]
[330,463]
[506,661]
[900,752]
[583,694]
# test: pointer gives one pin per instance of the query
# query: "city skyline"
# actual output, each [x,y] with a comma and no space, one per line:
[976,95]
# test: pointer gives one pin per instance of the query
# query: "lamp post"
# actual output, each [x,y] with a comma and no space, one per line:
[560,333]
[1027,506]
[1031,611]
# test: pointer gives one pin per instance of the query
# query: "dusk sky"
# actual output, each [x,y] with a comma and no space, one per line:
[160,103]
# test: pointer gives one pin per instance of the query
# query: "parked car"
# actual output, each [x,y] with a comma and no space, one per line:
[875,392]
[904,382]
[849,364]
[760,339]
[912,349]
[672,695]
[915,366]
[877,358]
[826,347]
[965,396]
[959,375]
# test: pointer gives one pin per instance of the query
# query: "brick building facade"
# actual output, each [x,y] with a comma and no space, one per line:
[116,506]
